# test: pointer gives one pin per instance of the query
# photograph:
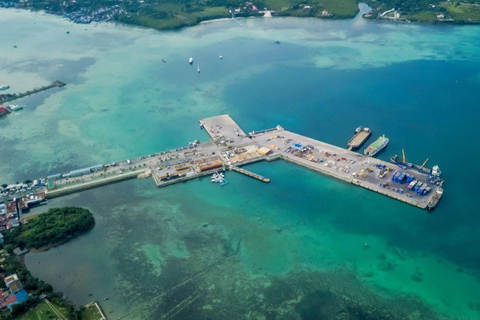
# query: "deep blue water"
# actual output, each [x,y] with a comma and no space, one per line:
[429,108]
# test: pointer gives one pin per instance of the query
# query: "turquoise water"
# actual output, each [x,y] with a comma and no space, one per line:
[419,85]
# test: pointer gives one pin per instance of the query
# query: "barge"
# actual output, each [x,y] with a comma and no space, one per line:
[361,135]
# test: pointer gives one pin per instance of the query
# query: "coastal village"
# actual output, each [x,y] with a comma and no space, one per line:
[14,292]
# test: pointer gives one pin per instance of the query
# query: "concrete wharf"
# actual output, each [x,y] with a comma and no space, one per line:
[232,148]
[10,97]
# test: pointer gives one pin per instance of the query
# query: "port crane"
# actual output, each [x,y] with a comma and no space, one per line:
[405,161]
[423,165]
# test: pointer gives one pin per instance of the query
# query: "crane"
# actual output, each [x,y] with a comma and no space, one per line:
[421,168]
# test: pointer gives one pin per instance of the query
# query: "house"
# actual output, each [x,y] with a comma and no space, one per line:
[15,286]
[10,279]
[9,301]
[16,294]
[14,299]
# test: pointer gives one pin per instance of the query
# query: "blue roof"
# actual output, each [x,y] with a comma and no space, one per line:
[21,296]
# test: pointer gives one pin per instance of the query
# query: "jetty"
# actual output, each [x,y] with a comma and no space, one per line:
[10,97]
[250,174]
[231,148]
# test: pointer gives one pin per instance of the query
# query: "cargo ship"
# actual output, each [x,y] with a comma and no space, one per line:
[436,198]
[361,135]
[377,146]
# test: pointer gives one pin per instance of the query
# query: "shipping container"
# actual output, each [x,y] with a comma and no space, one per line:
[412,184]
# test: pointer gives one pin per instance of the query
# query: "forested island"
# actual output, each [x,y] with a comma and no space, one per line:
[54,227]
[174,14]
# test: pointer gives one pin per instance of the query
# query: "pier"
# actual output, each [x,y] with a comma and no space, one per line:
[231,148]
[250,174]
[6,97]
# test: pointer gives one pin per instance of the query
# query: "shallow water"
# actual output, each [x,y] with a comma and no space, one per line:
[419,85]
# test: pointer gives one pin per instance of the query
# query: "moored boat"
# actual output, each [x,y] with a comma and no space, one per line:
[361,135]
[376,146]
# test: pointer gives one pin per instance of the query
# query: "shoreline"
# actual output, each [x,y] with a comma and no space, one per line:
[267,14]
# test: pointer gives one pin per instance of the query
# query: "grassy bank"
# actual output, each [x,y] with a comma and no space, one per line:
[44,311]
[314,8]
[171,15]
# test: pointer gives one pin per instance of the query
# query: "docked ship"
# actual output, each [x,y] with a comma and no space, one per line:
[3,88]
[436,198]
[361,135]
[375,147]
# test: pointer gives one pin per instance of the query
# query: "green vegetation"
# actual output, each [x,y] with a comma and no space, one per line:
[35,287]
[469,12]
[44,311]
[429,10]
[314,8]
[174,14]
[90,312]
[54,227]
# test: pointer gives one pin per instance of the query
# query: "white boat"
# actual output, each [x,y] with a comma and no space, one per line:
[3,88]
[218,178]
[198,69]
[15,107]
[221,57]
[190,60]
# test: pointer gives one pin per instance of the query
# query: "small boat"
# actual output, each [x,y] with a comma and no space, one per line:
[198,69]
[277,42]
[163,60]
[3,88]
[190,60]
[218,178]
[15,107]
[221,57]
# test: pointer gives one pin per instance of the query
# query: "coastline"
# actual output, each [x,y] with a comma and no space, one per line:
[364,10]
[149,209]
[216,20]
